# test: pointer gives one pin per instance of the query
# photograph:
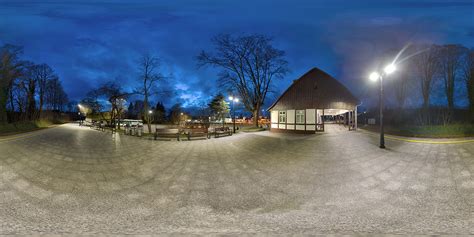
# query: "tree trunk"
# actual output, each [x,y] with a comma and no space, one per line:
[3,105]
[470,94]
[40,108]
[256,114]
[146,113]
[31,100]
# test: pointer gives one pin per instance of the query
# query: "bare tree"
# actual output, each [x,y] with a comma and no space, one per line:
[42,73]
[10,69]
[30,86]
[19,97]
[176,114]
[55,97]
[91,103]
[450,62]
[115,95]
[468,75]
[426,67]
[249,64]
[149,76]
[402,86]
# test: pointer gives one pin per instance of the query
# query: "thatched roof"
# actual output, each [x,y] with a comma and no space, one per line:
[316,89]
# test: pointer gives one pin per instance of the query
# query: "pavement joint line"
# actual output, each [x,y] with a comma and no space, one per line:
[420,141]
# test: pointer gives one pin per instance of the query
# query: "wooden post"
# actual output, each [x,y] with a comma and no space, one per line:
[349,119]
[322,120]
[355,125]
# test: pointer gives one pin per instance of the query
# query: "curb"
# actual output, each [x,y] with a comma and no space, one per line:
[431,141]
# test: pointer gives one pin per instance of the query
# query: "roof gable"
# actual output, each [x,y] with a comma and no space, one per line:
[316,89]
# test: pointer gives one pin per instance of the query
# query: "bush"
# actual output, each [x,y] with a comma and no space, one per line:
[451,130]
[25,126]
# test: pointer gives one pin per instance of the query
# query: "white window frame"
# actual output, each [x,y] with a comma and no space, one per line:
[300,116]
[281,116]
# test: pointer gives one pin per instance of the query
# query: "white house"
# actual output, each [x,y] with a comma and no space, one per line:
[316,94]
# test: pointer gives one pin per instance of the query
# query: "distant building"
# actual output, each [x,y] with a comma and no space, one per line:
[314,96]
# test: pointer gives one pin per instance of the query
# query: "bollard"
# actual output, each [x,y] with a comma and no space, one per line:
[139,131]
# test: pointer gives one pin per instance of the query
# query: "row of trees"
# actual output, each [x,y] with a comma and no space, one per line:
[149,76]
[136,110]
[26,88]
[217,109]
[451,65]
[249,65]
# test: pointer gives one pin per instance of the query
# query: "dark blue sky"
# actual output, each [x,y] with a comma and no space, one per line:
[90,42]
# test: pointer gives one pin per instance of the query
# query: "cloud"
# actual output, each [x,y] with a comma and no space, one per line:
[89,43]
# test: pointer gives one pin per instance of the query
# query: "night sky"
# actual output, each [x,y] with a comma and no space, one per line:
[90,42]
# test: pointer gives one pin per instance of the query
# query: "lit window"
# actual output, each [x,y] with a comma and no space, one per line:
[282,117]
[300,116]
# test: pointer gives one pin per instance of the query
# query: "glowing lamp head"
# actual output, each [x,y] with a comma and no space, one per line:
[150,111]
[374,76]
[231,98]
[236,99]
[390,68]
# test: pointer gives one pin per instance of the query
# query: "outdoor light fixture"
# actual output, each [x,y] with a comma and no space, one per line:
[233,100]
[150,111]
[375,76]
[390,68]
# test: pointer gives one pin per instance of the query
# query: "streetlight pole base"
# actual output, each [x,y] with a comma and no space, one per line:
[382,146]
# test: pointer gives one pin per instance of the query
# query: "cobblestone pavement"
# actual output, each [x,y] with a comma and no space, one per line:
[72,180]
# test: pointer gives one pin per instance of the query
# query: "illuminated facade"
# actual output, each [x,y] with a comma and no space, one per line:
[313,97]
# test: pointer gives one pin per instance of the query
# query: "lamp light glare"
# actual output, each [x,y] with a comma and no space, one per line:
[374,76]
[390,68]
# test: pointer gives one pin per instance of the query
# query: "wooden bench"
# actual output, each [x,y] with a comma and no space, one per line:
[98,126]
[112,128]
[226,131]
[197,132]
[167,133]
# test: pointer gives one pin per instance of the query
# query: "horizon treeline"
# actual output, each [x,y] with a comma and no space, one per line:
[29,91]
[427,70]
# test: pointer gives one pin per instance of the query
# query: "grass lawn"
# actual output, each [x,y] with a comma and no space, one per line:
[435,131]
[21,127]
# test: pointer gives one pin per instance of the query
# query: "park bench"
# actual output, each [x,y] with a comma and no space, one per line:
[197,132]
[226,131]
[112,128]
[167,133]
[97,125]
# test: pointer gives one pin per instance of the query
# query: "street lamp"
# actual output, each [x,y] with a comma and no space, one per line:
[79,113]
[375,76]
[236,100]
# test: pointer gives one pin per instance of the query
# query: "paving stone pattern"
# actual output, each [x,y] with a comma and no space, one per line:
[74,180]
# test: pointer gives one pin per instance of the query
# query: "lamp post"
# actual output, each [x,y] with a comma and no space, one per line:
[81,122]
[375,76]
[236,100]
